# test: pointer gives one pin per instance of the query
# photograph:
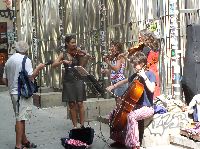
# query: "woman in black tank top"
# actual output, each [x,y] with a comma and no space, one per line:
[73,87]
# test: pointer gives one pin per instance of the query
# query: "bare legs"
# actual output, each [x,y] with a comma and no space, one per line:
[24,138]
[74,112]
[20,133]
[81,113]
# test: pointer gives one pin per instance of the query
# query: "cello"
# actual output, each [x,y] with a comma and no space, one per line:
[129,100]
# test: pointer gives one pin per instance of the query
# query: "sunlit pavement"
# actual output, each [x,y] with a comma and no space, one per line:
[47,126]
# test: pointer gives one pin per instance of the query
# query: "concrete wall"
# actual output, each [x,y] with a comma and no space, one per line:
[94,107]
[159,128]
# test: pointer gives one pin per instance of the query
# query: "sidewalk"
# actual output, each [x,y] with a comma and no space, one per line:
[47,126]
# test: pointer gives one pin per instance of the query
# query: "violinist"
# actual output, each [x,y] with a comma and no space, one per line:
[151,50]
[144,43]
[143,108]
[73,88]
[116,68]
[149,45]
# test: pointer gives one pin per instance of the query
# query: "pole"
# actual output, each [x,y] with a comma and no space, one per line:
[61,26]
[175,48]
[103,44]
[34,34]
[14,5]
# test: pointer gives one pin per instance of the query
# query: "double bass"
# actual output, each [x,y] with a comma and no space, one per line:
[129,100]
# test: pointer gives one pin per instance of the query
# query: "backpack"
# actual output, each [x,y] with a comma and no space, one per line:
[26,87]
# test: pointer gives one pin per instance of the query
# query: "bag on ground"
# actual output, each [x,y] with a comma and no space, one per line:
[85,135]
[79,138]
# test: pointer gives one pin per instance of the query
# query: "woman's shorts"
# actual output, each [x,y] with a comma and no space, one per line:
[120,90]
[25,107]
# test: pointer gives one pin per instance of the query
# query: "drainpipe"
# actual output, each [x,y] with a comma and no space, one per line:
[34,34]
[14,5]
[175,48]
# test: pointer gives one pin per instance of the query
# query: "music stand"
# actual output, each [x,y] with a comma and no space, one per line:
[88,78]
[81,71]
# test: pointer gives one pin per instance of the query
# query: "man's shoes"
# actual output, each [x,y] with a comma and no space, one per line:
[29,145]
[22,147]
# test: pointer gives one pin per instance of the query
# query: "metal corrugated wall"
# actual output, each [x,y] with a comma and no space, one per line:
[124,18]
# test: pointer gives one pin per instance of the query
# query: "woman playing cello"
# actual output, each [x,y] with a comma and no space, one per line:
[143,109]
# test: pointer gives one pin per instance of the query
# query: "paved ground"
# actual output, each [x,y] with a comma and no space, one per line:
[47,126]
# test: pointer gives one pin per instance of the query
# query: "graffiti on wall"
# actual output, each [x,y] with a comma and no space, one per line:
[163,122]
[5,11]
[6,14]
[10,36]
[154,26]
[8,4]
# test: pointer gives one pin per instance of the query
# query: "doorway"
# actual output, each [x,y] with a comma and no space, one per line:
[3,48]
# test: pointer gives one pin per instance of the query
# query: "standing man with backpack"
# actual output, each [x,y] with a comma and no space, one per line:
[23,106]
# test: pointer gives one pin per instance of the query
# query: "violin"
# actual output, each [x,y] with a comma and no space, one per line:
[82,56]
[77,53]
[109,57]
[132,50]
[80,53]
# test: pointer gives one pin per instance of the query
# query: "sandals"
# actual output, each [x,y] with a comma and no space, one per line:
[22,147]
[29,145]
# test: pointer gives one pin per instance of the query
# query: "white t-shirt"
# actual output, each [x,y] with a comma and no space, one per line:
[12,68]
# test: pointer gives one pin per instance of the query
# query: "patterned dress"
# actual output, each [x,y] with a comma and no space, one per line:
[117,76]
